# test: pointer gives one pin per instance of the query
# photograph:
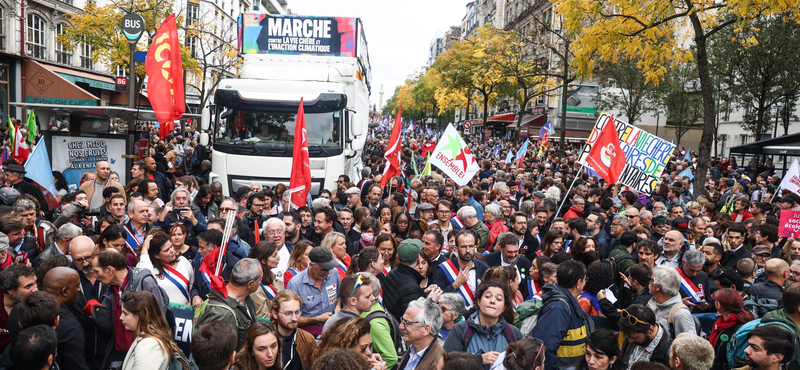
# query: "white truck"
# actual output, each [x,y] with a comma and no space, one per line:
[323,60]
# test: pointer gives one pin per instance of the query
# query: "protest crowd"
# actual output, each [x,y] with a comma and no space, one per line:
[526,261]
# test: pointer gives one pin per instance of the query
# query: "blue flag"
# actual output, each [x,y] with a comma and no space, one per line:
[688,173]
[508,157]
[522,150]
[688,156]
[38,169]
[547,129]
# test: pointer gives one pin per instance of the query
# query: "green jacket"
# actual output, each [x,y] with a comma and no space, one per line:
[219,308]
[483,233]
[381,334]
[622,265]
[782,316]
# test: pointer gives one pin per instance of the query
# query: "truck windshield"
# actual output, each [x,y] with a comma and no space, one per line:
[277,128]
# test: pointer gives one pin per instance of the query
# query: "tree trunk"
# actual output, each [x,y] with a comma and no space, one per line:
[486,112]
[707,92]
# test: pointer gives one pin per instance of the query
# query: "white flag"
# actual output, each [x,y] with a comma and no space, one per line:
[791,181]
[454,157]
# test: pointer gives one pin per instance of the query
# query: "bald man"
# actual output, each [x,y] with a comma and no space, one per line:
[777,271]
[94,188]
[164,185]
[64,284]
[82,249]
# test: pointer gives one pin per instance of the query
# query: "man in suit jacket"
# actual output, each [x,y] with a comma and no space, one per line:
[732,256]
[508,255]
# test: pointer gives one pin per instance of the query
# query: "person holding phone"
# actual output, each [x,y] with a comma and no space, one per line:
[178,210]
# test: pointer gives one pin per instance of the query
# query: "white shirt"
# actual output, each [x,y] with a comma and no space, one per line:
[283,265]
[175,294]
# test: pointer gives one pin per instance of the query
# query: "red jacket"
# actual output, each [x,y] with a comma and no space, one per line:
[573,212]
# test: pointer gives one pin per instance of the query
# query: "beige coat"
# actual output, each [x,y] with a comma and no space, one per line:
[88,188]
[145,354]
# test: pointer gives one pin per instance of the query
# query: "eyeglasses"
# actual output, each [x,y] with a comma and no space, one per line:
[632,216]
[85,259]
[366,347]
[632,319]
[227,209]
[274,233]
[409,323]
[291,313]
[358,283]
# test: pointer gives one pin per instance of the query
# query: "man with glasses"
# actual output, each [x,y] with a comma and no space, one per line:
[695,286]
[318,286]
[343,179]
[443,215]
[420,326]
[275,231]
[83,250]
[619,225]
[644,339]
[254,218]
[578,204]
[298,345]
[453,308]
[633,216]
[356,296]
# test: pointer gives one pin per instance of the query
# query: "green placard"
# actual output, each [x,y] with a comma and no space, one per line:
[91,82]
[582,109]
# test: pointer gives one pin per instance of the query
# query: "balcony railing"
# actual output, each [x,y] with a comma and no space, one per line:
[86,62]
[63,57]
[36,51]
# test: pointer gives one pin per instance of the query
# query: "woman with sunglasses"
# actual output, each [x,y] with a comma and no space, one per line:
[602,351]
[349,333]
[729,304]
[262,349]
[490,331]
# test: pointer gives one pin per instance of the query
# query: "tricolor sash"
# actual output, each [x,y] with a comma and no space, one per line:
[457,224]
[689,288]
[268,290]
[451,272]
[533,289]
[342,269]
[485,253]
[567,247]
[177,278]
[538,253]
[130,239]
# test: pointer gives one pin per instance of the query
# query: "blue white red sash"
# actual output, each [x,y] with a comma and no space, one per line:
[445,250]
[567,247]
[288,275]
[385,271]
[538,253]
[485,253]
[457,224]
[689,288]
[533,289]
[268,290]
[342,269]
[451,272]
[177,278]
[130,239]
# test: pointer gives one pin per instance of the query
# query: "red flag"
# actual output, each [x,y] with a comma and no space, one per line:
[606,156]
[300,182]
[165,75]
[429,147]
[165,129]
[393,151]
[21,148]
[208,267]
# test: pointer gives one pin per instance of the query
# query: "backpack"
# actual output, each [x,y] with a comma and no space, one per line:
[761,306]
[618,279]
[178,362]
[394,330]
[466,338]
[698,328]
[738,342]
[138,282]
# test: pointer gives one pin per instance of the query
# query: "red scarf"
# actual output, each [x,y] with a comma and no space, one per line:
[721,325]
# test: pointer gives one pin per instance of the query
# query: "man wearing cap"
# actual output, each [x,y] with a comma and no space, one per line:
[15,176]
[786,203]
[318,286]
[761,254]
[777,271]
[660,227]
[353,198]
[427,212]
[401,286]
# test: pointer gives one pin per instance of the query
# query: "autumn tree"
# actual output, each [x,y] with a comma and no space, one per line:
[100,26]
[214,45]
[656,31]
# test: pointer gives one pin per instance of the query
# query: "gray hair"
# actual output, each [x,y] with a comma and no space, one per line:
[694,257]
[245,271]
[577,198]
[693,222]
[176,191]
[794,263]
[67,231]
[668,279]
[274,221]
[507,238]
[645,214]
[502,187]
[501,176]
[319,203]
[22,205]
[467,211]
[710,239]
[456,302]
[494,209]
[553,193]
[366,172]
[374,283]
[431,314]
[623,220]
[527,207]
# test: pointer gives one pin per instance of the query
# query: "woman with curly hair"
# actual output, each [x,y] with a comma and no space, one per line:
[583,245]
[349,333]
[599,276]
[342,359]
[262,349]
[153,347]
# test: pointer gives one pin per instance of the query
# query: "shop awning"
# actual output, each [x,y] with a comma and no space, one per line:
[92,79]
[531,120]
[510,117]
[43,85]
[572,136]
[784,145]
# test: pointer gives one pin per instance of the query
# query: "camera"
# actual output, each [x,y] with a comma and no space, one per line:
[180,210]
[86,212]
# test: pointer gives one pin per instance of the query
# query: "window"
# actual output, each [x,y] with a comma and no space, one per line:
[191,42]
[192,12]
[35,44]
[744,139]
[2,29]
[86,55]
[121,71]
[63,54]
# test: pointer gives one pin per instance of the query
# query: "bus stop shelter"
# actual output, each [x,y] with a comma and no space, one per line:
[777,148]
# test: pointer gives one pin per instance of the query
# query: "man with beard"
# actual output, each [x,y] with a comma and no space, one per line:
[461,273]
[164,185]
[216,191]
[375,201]
[253,218]
[638,325]
[770,347]
[732,256]
[713,251]
[595,226]
[509,255]
[519,226]
[298,345]
[670,256]
[432,243]
[16,282]
[292,221]
[82,249]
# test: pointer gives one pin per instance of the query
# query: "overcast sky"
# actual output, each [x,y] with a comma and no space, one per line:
[399,33]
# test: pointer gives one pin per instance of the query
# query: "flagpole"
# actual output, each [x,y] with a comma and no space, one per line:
[568,190]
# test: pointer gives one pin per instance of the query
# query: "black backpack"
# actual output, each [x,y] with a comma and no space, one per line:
[618,279]
[394,330]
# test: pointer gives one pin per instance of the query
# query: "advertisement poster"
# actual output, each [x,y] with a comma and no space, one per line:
[646,154]
[73,155]
[298,35]
[790,224]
